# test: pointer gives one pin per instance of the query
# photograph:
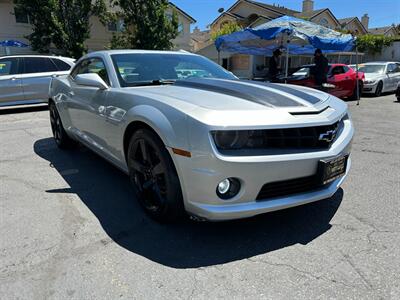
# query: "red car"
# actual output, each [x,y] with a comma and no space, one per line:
[341,79]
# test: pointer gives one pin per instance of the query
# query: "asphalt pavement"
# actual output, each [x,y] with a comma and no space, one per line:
[71,229]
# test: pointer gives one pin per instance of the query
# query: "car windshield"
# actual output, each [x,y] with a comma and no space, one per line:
[372,69]
[153,68]
[302,72]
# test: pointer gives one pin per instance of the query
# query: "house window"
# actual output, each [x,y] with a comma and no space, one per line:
[117,26]
[21,16]
[324,22]
[180,28]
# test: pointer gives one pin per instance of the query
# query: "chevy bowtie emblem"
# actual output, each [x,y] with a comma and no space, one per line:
[328,136]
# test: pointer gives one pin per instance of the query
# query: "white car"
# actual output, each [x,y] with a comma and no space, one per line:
[380,77]
[217,147]
[25,79]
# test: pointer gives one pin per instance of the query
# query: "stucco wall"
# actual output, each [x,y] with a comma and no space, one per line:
[100,36]
[9,28]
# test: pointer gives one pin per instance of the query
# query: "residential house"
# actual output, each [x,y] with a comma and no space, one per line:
[16,26]
[386,31]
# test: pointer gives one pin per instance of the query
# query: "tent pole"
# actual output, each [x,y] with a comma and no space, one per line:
[287,60]
[358,83]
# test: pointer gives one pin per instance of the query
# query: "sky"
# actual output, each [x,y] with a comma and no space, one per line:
[381,12]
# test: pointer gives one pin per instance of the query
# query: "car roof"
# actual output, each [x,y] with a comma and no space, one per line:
[131,51]
[330,65]
[34,55]
[380,62]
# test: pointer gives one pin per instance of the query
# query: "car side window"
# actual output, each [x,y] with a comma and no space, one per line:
[346,69]
[8,66]
[38,65]
[338,70]
[92,65]
[392,68]
[61,65]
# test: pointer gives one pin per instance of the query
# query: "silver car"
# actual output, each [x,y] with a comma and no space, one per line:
[380,77]
[25,79]
[203,142]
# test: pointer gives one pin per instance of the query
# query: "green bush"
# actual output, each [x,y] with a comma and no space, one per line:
[228,28]
[373,43]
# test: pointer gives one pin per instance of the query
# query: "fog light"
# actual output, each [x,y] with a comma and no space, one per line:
[228,188]
[223,186]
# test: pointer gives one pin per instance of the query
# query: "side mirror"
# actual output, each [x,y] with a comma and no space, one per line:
[92,80]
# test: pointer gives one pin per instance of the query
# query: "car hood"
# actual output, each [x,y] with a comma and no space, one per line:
[373,76]
[214,101]
[218,94]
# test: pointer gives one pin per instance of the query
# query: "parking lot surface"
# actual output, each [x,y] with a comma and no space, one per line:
[70,228]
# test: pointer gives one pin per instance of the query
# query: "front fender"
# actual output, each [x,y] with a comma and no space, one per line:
[172,129]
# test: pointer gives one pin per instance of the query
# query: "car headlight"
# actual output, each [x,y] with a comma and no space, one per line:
[369,81]
[230,139]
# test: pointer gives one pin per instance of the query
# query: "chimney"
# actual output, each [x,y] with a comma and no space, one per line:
[365,21]
[308,5]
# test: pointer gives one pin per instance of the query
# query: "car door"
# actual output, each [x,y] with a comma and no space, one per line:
[86,104]
[393,76]
[36,77]
[10,81]
[341,80]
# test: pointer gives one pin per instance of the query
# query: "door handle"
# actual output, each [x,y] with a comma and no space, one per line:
[55,75]
[13,78]
[71,94]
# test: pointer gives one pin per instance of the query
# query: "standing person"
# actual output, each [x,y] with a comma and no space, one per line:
[321,68]
[273,70]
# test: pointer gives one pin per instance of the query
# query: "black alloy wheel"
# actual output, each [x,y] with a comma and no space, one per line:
[60,136]
[154,178]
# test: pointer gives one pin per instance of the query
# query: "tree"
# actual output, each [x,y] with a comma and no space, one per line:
[63,23]
[373,43]
[227,28]
[146,25]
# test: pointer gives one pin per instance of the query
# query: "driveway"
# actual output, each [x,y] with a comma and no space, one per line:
[70,228]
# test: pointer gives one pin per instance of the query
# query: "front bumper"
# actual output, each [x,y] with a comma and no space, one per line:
[370,88]
[249,209]
[201,174]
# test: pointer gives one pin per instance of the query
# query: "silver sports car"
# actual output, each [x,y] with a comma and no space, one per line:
[194,139]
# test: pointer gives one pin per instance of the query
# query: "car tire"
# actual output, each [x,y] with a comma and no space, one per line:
[61,138]
[154,178]
[379,88]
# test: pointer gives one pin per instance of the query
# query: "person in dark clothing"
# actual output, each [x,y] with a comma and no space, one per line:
[321,68]
[273,70]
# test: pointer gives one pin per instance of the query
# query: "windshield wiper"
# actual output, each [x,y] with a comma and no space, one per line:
[154,82]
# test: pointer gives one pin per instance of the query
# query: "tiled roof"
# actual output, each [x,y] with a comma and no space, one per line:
[310,14]
[345,21]
[380,30]
[280,9]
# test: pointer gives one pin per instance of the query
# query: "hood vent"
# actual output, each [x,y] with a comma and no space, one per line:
[302,113]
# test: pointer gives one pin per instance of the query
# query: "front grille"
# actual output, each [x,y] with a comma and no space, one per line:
[289,187]
[303,137]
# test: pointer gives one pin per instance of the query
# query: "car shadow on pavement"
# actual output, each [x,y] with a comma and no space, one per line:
[22,109]
[107,193]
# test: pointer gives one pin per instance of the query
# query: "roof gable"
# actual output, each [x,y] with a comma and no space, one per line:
[310,15]
[190,18]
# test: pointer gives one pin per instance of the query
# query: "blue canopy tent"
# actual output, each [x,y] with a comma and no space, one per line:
[297,36]
[12,43]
